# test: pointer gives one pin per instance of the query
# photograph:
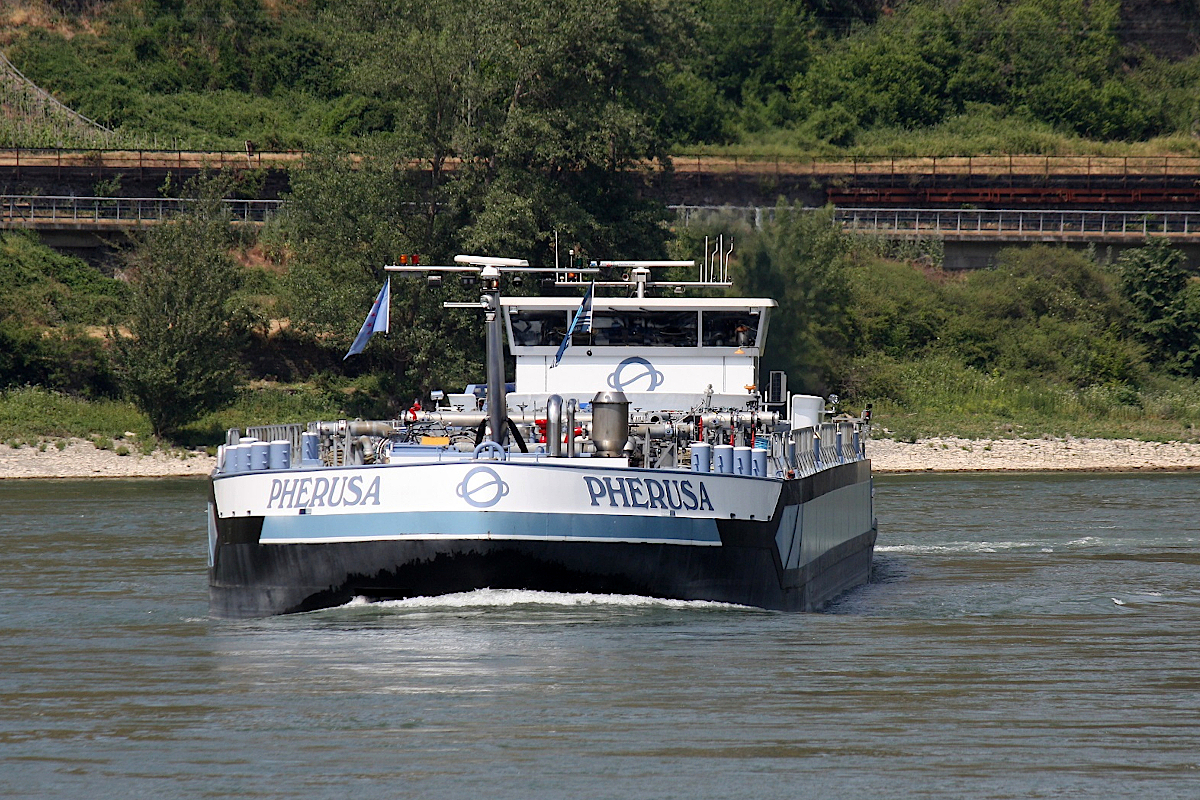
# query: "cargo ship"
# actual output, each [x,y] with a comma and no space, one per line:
[636,452]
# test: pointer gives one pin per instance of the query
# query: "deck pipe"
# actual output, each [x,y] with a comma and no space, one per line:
[554,434]
[571,406]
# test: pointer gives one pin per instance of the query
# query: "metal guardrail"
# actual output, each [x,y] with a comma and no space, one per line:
[999,224]
[1019,223]
[826,445]
[29,211]
[26,211]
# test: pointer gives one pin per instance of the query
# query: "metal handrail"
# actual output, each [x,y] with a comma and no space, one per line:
[1057,223]
[1023,222]
[34,209]
[998,223]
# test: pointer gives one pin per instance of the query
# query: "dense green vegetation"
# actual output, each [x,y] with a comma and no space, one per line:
[528,120]
[50,305]
[792,76]
[1050,341]
[186,330]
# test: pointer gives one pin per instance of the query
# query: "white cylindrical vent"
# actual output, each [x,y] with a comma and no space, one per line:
[233,458]
[260,456]
[701,457]
[281,454]
[244,457]
[759,462]
[310,451]
[723,459]
[741,461]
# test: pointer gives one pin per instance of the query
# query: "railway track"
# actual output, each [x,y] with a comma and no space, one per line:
[1083,168]
[934,182]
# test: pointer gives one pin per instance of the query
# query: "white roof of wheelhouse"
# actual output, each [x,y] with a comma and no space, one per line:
[640,303]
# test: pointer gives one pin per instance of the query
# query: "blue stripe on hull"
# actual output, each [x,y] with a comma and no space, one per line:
[302,529]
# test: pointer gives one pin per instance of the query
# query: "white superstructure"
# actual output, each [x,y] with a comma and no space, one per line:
[663,353]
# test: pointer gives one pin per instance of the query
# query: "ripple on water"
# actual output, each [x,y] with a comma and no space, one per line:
[1024,637]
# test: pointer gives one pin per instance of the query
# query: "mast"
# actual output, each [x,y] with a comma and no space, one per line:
[497,404]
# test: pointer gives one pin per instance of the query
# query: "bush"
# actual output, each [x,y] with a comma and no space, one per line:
[181,359]
[1166,304]
[32,411]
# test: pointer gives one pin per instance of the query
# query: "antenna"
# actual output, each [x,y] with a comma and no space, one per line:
[716,255]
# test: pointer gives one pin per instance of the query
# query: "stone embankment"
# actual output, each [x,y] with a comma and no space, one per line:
[81,459]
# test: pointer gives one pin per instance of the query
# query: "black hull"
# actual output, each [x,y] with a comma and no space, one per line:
[249,579]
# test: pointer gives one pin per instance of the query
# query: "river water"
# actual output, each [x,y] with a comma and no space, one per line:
[1034,636]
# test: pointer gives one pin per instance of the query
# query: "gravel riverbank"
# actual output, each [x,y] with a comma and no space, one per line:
[81,459]
[1031,455]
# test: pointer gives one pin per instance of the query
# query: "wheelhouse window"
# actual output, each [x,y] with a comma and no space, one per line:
[538,328]
[638,328]
[730,329]
[644,328]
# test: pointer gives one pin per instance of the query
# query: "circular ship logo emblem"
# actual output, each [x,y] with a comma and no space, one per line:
[632,370]
[482,487]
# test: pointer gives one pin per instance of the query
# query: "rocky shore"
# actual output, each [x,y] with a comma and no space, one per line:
[1031,455]
[82,459]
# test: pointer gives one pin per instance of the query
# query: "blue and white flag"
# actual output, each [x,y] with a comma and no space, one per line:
[379,320]
[581,324]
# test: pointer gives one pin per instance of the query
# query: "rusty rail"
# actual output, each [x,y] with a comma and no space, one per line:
[1168,166]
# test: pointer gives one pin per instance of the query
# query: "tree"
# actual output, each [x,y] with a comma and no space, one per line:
[526,114]
[515,120]
[801,259]
[180,359]
[1166,302]
[345,220]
